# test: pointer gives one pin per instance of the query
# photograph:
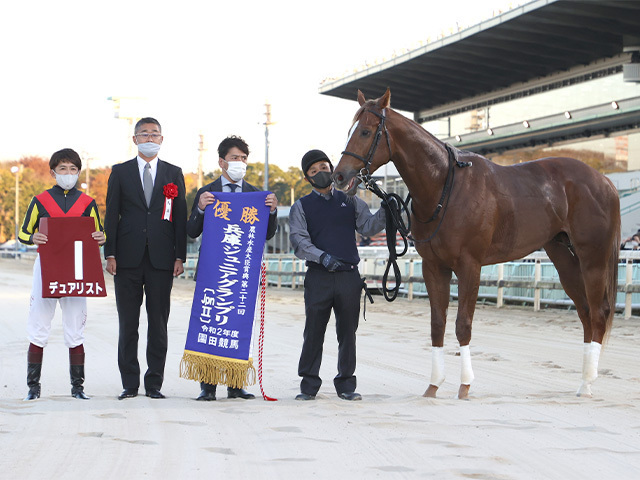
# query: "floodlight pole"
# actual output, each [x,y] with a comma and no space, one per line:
[267,124]
[117,104]
[87,168]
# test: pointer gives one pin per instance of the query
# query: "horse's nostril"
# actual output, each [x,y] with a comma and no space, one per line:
[339,177]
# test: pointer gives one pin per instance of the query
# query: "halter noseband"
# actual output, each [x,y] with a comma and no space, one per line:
[364,174]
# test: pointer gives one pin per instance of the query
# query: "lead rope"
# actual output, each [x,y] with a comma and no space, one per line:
[263,285]
[394,206]
[390,294]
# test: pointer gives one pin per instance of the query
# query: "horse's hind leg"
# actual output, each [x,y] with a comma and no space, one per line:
[571,276]
[599,310]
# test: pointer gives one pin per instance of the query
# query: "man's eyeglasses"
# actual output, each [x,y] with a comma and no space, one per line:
[147,136]
[236,158]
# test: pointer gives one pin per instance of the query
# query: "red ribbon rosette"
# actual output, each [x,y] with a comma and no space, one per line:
[170,192]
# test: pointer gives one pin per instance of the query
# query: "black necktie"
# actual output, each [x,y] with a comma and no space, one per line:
[232,186]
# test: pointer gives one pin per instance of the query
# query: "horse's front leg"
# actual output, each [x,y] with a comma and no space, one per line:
[468,284]
[438,280]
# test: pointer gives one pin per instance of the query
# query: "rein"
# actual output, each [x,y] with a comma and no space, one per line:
[446,193]
[395,206]
[391,203]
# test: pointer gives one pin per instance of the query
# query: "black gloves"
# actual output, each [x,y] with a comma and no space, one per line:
[331,263]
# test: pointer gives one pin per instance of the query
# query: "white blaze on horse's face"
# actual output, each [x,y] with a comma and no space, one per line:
[351,132]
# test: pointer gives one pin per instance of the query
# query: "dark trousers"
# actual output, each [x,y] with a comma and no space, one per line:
[324,291]
[130,284]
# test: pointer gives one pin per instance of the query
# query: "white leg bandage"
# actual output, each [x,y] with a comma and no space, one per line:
[437,366]
[590,358]
[590,372]
[466,372]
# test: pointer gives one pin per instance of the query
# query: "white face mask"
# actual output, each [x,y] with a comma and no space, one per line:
[236,170]
[68,181]
[149,149]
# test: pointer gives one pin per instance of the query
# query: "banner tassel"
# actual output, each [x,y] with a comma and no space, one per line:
[263,287]
[217,370]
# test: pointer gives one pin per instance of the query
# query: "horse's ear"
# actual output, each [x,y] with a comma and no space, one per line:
[384,100]
[361,99]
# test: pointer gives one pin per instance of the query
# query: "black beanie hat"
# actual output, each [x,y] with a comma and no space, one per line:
[313,156]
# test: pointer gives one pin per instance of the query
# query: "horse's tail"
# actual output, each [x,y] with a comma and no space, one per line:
[612,282]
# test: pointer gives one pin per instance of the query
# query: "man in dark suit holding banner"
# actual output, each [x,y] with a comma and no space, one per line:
[146,247]
[233,153]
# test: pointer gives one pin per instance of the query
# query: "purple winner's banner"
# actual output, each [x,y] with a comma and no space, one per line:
[220,336]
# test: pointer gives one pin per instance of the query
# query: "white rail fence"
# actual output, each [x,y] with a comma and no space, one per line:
[532,280]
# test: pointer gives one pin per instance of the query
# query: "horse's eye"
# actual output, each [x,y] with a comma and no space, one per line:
[365,133]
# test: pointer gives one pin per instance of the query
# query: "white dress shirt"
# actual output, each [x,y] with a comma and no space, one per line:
[226,188]
[154,169]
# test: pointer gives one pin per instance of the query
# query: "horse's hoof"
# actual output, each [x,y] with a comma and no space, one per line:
[584,390]
[431,392]
[463,392]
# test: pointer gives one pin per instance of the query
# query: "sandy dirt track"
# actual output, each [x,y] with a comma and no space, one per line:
[523,420]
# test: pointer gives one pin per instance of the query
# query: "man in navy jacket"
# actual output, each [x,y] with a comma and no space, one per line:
[233,153]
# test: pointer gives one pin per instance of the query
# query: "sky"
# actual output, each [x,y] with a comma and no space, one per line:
[199,67]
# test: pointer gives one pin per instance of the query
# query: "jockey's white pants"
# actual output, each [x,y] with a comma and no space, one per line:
[42,311]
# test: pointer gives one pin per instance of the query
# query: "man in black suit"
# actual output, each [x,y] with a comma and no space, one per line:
[233,153]
[146,247]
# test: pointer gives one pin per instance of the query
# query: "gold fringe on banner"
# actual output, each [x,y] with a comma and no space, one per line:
[217,370]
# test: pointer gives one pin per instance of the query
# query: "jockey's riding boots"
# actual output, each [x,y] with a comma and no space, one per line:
[77,380]
[33,380]
[76,372]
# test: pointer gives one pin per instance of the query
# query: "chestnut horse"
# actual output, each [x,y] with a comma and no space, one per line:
[467,212]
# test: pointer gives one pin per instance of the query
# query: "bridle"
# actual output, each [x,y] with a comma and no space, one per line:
[391,202]
[364,174]
[396,206]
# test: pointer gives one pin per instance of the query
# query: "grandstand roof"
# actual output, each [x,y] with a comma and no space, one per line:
[559,41]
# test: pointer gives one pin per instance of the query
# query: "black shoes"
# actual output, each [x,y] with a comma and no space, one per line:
[207,395]
[351,396]
[133,392]
[239,393]
[154,393]
[128,393]
[305,396]
[79,394]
